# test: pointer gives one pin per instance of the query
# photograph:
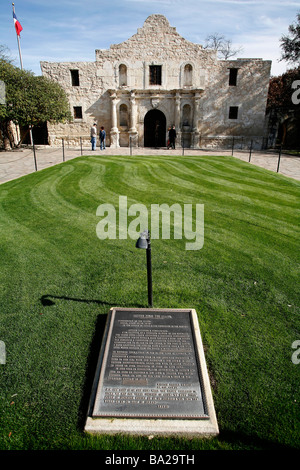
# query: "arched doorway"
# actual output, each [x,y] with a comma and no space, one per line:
[155,129]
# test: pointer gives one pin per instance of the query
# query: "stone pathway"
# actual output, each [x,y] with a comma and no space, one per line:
[17,163]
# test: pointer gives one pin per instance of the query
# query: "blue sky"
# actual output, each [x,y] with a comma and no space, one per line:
[71,30]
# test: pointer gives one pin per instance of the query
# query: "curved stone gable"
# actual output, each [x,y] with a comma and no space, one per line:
[157,21]
[156,39]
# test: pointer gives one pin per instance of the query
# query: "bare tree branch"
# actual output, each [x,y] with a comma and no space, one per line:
[5,54]
[223,46]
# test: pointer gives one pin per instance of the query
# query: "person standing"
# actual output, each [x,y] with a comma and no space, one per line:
[168,143]
[102,136]
[172,137]
[94,136]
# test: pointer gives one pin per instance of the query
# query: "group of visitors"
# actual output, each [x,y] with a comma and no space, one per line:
[102,137]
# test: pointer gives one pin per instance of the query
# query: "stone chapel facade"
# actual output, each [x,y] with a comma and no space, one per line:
[157,79]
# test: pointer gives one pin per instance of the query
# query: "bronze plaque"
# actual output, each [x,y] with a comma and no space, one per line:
[149,367]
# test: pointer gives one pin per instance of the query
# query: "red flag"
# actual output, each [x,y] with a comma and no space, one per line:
[17,24]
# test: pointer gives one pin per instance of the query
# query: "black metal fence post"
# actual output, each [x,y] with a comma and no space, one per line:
[279,156]
[232,146]
[34,155]
[33,146]
[149,272]
[250,153]
[80,145]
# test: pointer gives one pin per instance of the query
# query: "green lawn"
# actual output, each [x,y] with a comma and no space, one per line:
[58,282]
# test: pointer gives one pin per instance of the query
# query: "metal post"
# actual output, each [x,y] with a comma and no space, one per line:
[250,151]
[144,242]
[232,146]
[63,147]
[80,146]
[30,134]
[149,271]
[33,146]
[130,144]
[279,156]
[34,155]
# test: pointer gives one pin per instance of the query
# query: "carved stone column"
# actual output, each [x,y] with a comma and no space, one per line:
[133,118]
[196,117]
[177,118]
[114,132]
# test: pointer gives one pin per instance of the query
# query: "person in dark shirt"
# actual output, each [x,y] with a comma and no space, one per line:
[172,137]
[102,136]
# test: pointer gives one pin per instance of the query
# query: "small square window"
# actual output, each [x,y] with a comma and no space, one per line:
[155,75]
[75,77]
[77,112]
[233,112]
[233,77]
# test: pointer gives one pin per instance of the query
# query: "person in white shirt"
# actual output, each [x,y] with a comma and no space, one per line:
[94,136]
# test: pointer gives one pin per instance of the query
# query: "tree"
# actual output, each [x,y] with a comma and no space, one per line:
[291,44]
[5,53]
[284,110]
[219,43]
[281,90]
[30,100]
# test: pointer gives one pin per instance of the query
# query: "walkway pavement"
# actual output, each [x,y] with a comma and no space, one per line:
[17,163]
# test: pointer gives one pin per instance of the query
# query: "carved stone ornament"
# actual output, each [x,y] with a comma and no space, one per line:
[155,102]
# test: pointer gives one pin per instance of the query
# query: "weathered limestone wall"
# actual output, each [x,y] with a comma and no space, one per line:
[249,95]
[156,43]
[86,95]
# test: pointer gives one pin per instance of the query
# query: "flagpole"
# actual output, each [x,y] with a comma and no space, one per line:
[21,62]
[18,38]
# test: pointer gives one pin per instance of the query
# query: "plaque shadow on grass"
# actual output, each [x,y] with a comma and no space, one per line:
[46,301]
[92,361]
